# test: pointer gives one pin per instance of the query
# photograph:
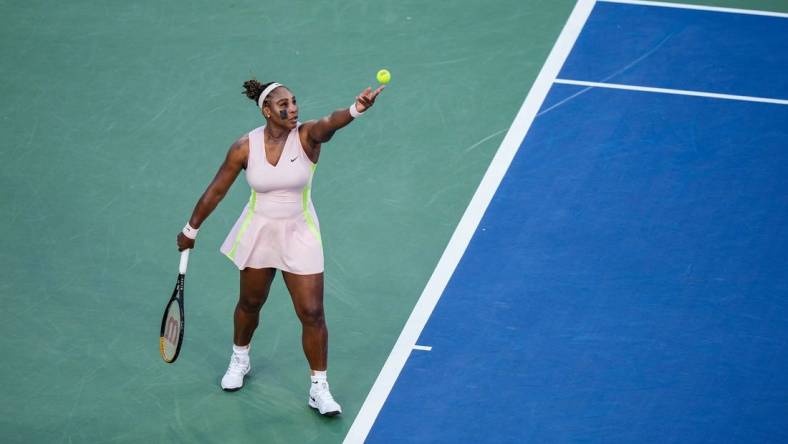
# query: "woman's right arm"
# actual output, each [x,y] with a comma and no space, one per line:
[233,163]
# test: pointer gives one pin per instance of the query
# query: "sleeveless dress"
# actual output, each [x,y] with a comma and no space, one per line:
[278,228]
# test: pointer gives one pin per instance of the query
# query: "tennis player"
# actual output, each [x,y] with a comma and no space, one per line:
[278,229]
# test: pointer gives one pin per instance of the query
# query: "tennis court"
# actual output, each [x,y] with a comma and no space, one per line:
[563,221]
[626,282]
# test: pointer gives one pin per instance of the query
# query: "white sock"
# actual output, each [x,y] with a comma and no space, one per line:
[318,376]
[241,350]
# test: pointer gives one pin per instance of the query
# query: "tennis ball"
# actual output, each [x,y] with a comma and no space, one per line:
[384,76]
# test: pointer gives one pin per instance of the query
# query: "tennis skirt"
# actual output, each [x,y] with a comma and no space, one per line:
[269,234]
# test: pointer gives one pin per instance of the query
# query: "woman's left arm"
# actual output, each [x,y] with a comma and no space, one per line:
[315,132]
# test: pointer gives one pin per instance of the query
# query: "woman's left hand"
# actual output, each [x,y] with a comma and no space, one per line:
[366,99]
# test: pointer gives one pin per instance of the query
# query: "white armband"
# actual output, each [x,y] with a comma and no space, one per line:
[353,111]
[190,231]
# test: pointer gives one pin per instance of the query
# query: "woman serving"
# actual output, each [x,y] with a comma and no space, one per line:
[278,229]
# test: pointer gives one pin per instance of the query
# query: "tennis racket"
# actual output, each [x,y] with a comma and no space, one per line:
[171,332]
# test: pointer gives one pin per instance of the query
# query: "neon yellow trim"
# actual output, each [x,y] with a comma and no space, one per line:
[305,198]
[245,224]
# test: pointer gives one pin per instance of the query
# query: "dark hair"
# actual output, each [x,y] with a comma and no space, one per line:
[253,89]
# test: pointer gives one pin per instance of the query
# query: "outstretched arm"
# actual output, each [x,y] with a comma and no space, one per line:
[321,131]
[232,165]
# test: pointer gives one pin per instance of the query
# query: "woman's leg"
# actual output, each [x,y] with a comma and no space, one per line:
[255,284]
[306,292]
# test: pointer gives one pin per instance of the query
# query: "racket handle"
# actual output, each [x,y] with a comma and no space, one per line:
[184,261]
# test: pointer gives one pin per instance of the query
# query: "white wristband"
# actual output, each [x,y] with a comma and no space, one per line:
[353,111]
[190,231]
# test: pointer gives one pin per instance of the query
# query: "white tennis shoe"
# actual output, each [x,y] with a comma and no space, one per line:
[320,398]
[234,378]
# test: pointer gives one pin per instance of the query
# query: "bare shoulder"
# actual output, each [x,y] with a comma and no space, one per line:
[311,147]
[303,130]
[242,144]
[238,154]
[240,147]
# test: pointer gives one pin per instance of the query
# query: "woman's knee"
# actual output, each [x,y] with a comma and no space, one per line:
[255,284]
[250,304]
[312,316]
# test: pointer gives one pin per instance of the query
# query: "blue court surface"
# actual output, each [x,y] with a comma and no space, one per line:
[627,282]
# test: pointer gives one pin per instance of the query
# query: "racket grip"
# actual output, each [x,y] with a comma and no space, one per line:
[184,261]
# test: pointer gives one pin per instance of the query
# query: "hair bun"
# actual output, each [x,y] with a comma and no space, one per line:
[253,89]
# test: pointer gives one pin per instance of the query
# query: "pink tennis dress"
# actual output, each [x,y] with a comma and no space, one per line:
[278,228]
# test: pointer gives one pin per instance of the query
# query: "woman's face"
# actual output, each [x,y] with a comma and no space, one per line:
[282,108]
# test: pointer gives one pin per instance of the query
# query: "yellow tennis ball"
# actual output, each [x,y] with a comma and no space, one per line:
[384,76]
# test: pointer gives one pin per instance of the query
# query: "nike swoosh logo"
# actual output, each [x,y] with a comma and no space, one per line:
[294,159]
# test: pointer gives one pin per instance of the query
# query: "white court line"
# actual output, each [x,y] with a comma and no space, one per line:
[470,220]
[699,7]
[422,347]
[682,92]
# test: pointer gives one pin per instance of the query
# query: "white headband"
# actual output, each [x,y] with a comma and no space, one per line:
[265,93]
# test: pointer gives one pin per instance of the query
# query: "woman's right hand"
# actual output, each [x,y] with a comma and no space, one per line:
[366,99]
[184,242]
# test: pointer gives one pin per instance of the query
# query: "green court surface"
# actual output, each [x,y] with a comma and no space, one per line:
[115,116]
